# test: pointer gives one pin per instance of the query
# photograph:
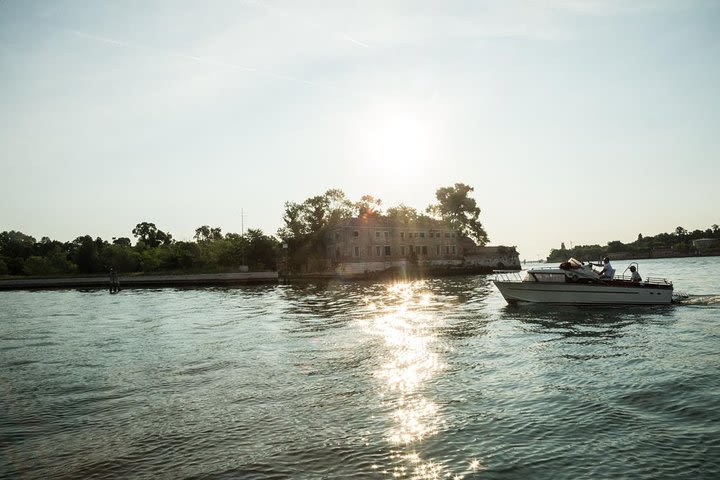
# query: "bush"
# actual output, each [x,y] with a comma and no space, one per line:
[38,266]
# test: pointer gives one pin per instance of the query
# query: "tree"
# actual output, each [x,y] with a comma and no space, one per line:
[339,206]
[715,228]
[294,227]
[86,255]
[640,237]
[369,206]
[124,241]
[207,234]
[150,235]
[262,250]
[460,211]
[562,245]
[680,232]
[122,257]
[16,244]
[616,246]
[314,214]
[306,224]
[403,214]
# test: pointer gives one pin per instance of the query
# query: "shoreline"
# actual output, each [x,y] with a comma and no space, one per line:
[229,279]
[140,281]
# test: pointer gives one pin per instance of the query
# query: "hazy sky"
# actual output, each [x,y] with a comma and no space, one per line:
[575,121]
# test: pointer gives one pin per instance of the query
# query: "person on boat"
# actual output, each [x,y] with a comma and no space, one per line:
[607,272]
[634,275]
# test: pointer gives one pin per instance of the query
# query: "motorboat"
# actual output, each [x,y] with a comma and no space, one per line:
[576,283]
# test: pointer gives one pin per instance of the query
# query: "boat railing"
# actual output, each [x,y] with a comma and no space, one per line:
[508,275]
[646,281]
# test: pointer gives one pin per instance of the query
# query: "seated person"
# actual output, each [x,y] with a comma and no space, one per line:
[634,275]
[607,272]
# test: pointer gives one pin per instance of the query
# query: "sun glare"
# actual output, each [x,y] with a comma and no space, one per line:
[397,141]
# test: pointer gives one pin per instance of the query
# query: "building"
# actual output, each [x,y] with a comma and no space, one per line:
[704,243]
[363,245]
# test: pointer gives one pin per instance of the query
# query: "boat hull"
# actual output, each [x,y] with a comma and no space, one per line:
[583,294]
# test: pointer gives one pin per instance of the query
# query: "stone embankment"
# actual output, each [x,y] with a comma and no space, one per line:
[140,281]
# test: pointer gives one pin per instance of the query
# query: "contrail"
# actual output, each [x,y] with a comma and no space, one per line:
[207,61]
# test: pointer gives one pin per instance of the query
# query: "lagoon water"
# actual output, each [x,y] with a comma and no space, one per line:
[425,379]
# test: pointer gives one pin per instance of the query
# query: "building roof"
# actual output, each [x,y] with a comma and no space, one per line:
[377,222]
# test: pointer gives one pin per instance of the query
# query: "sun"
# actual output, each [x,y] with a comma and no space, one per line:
[397,142]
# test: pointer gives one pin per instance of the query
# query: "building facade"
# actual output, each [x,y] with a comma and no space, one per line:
[362,245]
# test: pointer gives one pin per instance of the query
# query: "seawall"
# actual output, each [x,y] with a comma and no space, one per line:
[140,281]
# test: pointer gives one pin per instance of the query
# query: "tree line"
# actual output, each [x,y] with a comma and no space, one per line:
[299,242]
[677,243]
[154,251]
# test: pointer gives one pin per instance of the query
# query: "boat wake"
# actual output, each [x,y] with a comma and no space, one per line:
[681,298]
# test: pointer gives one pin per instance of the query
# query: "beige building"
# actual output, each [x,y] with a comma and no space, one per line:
[359,245]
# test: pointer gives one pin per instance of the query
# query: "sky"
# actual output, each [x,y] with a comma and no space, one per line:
[575,121]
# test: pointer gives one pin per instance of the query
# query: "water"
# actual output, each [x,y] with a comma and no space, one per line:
[428,379]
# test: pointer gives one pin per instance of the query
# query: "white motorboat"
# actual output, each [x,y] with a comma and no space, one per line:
[576,283]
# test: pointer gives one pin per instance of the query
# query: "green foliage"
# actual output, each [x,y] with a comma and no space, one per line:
[262,250]
[150,236]
[15,265]
[679,243]
[16,244]
[207,234]
[150,260]
[86,255]
[306,224]
[460,211]
[35,265]
[121,257]
[368,207]
[123,241]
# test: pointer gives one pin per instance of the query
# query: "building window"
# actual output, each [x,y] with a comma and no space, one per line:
[453,249]
[337,236]
[356,234]
[377,234]
[437,249]
[378,251]
[402,250]
[447,235]
[357,251]
[402,235]
[422,234]
[387,250]
[387,235]
[424,250]
[447,249]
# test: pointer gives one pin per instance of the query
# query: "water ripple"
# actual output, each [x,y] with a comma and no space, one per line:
[422,379]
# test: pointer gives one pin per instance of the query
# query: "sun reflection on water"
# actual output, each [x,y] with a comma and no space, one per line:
[409,334]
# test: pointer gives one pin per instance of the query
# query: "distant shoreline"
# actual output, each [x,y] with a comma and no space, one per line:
[629,256]
[99,282]
[139,281]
